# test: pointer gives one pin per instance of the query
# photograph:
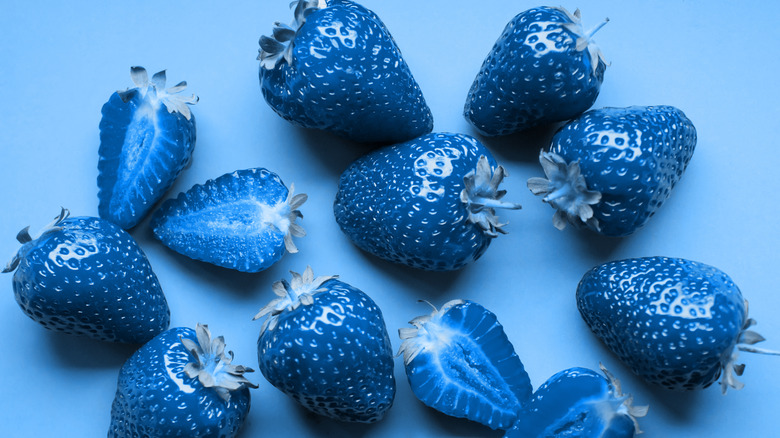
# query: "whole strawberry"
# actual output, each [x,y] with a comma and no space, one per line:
[86,276]
[337,68]
[325,344]
[612,168]
[181,384]
[676,323]
[244,220]
[460,362]
[428,203]
[147,135]
[578,402]
[544,68]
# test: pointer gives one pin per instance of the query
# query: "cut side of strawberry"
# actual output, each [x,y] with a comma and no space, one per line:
[243,220]
[459,361]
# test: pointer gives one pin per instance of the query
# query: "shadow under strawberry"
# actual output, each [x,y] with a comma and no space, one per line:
[597,247]
[524,146]
[333,152]
[319,425]
[85,353]
[461,427]
[422,284]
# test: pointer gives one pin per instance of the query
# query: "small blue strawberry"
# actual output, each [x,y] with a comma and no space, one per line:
[86,276]
[244,220]
[459,361]
[181,384]
[676,323]
[337,68]
[578,402]
[544,68]
[428,203]
[147,135]
[325,344]
[612,168]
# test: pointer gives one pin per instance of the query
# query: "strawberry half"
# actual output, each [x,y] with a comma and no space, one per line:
[147,135]
[460,362]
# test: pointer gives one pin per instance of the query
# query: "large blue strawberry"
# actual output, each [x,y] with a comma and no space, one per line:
[337,68]
[86,276]
[147,135]
[612,168]
[325,344]
[459,361]
[578,402]
[676,323]
[428,203]
[244,220]
[181,384]
[544,68]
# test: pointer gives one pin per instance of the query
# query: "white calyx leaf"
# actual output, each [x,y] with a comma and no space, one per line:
[212,367]
[730,369]
[294,202]
[299,291]
[427,334]
[157,93]
[482,196]
[584,39]
[278,47]
[626,400]
[26,239]
[566,190]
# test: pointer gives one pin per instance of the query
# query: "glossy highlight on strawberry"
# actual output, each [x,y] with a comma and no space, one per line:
[611,169]
[459,361]
[324,343]
[337,68]
[578,402]
[86,276]
[147,135]
[543,68]
[244,220]
[429,203]
[182,383]
[676,323]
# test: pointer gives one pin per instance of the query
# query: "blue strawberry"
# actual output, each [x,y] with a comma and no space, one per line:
[578,402]
[428,203]
[459,361]
[612,168]
[676,323]
[337,68]
[244,220]
[147,135]
[325,344]
[86,276]
[544,68]
[181,384]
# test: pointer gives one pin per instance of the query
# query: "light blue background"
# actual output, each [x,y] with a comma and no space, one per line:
[60,61]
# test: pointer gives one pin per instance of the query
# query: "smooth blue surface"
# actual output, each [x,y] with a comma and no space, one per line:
[716,61]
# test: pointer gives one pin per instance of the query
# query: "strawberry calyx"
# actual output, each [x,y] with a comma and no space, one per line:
[625,402]
[584,39]
[482,196]
[428,334]
[212,367]
[566,190]
[291,295]
[279,46]
[283,215]
[27,240]
[154,90]
[729,367]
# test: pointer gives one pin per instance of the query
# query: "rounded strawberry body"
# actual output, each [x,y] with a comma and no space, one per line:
[244,220]
[578,402]
[428,203]
[459,361]
[180,384]
[325,344]
[543,68]
[86,276]
[612,168]
[147,135]
[675,322]
[337,68]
